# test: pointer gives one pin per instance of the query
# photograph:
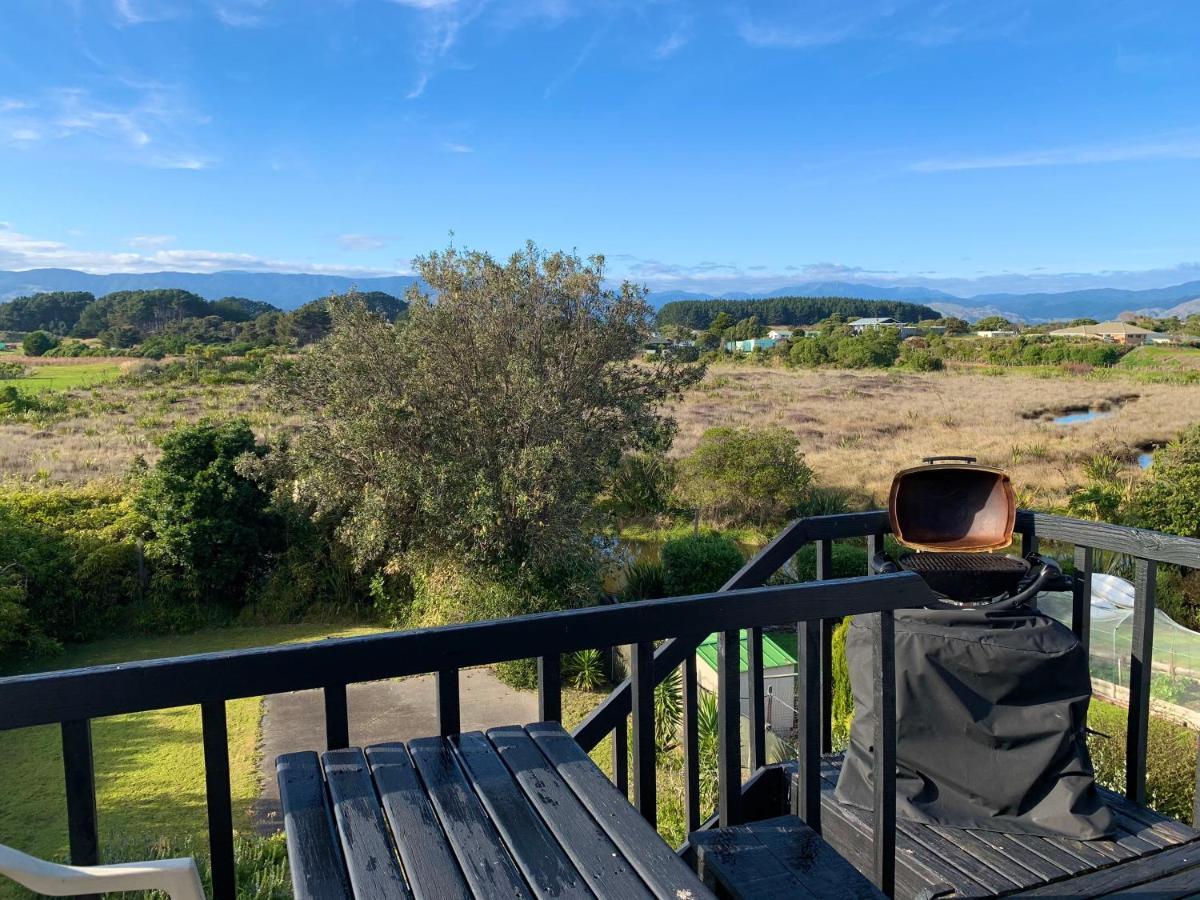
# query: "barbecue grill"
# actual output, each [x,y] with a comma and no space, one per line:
[991,695]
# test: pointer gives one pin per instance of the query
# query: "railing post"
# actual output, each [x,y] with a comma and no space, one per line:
[755,682]
[806,798]
[875,545]
[1196,795]
[691,744]
[220,803]
[337,721]
[620,756]
[729,727]
[448,716]
[825,572]
[1029,541]
[550,688]
[1140,659]
[641,674]
[79,770]
[884,754]
[1081,597]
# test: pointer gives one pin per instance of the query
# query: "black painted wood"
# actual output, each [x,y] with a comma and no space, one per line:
[337,720]
[589,848]
[550,688]
[79,771]
[1081,597]
[314,851]
[53,697]
[448,715]
[219,800]
[1140,660]
[430,867]
[480,852]
[1029,541]
[658,866]
[807,794]
[824,571]
[620,756]
[371,861]
[645,766]
[756,701]
[538,855]
[1196,795]
[729,728]
[691,745]
[883,775]
[1182,861]
[1163,548]
[775,858]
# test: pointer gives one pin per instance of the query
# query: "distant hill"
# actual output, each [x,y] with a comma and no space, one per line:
[815,289]
[788,310]
[285,290]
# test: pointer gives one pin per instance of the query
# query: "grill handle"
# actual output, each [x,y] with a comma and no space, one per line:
[936,459]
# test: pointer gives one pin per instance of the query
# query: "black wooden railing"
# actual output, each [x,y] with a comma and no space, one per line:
[815,682]
[74,697]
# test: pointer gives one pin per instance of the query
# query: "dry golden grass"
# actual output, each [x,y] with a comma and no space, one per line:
[858,428]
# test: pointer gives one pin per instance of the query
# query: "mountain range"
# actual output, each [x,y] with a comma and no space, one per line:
[289,290]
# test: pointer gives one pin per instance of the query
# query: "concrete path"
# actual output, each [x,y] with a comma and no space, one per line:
[379,711]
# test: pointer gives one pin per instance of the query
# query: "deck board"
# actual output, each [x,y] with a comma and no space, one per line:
[1150,855]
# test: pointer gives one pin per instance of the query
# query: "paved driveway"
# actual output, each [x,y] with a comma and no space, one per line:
[379,711]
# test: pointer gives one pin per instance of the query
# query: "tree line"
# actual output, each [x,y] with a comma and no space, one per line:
[168,320]
[789,310]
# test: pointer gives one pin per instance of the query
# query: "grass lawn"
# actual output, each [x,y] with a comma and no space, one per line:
[149,766]
[1169,358]
[65,375]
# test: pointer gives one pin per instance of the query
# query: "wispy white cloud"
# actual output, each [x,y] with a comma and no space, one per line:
[1138,151]
[354,241]
[456,147]
[142,122]
[20,251]
[673,42]
[241,13]
[150,241]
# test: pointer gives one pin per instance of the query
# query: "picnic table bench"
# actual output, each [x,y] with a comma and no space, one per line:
[520,811]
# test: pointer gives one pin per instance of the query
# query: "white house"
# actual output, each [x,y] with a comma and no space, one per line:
[780,334]
[860,325]
[996,333]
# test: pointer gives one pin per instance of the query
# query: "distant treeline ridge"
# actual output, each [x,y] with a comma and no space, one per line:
[789,310]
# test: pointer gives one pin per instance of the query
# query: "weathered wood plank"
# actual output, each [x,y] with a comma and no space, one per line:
[550,687]
[448,714]
[218,798]
[645,765]
[541,860]
[1164,548]
[729,728]
[807,793]
[481,854]
[755,702]
[665,873]
[371,862]
[429,863]
[337,719]
[585,843]
[1081,596]
[1182,859]
[1141,654]
[691,744]
[314,851]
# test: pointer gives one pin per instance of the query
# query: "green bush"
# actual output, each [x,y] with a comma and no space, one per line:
[520,674]
[699,563]
[209,528]
[848,561]
[10,370]
[37,343]
[1168,499]
[642,485]
[645,580]
[746,475]
[920,360]
[584,670]
[16,404]
[1170,758]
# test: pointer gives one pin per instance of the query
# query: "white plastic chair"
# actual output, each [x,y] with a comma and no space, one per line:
[177,877]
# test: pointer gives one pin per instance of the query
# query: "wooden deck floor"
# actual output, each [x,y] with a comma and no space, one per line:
[1156,856]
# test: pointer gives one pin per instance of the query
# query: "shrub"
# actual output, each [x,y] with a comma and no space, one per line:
[645,580]
[10,370]
[584,670]
[824,501]
[16,404]
[668,711]
[642,484]
[699,563]
[1170,759]
[37,343]
[920,360]
[208,527]
[1168,498]
[746,474]
[848,561]
[809,353]
[520,674]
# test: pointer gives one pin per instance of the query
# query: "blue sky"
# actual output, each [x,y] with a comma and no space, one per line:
[969,145]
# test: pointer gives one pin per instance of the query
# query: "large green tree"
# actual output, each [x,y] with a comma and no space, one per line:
[483,426]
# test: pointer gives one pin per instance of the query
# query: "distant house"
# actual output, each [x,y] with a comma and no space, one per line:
[656,344]
[1114,332]
[1179,340]
[750,345]
[996,333]
[779,334]
[858,326]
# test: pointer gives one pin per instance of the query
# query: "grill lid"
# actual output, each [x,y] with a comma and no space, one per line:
[952,504]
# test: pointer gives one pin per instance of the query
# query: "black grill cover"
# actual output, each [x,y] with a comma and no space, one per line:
[991,705]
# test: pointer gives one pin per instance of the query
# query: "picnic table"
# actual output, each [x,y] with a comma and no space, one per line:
[520,811]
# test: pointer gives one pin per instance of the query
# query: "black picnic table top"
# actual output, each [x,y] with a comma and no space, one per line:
[520,811]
